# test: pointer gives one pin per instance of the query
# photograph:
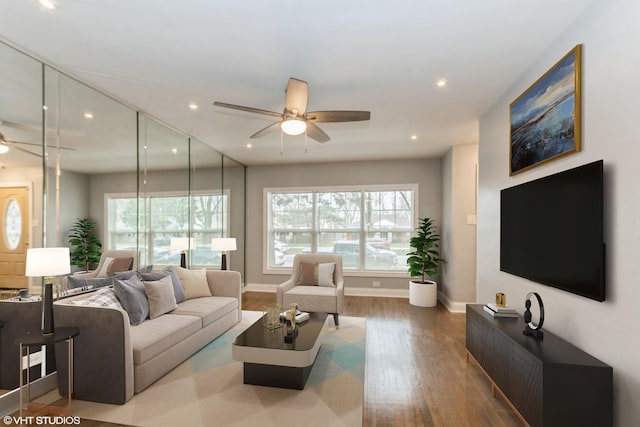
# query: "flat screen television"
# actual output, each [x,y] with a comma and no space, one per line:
[552,231]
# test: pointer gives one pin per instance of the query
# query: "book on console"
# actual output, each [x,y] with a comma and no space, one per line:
[301,316]
[497,309]
[500,314]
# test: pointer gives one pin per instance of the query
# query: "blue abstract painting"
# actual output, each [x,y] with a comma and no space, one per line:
[545,119]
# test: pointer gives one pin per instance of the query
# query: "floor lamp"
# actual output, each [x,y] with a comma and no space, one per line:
[182,244]
[223,244]
[47,262]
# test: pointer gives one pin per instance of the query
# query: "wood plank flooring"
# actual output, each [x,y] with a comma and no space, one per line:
[417,373]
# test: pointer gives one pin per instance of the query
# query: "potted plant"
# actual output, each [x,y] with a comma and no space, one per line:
[424,263]
[84,245]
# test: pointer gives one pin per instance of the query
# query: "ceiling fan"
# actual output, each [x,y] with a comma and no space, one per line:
[6,145]
[295,119]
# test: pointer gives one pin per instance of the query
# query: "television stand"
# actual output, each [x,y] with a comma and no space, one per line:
[546,382]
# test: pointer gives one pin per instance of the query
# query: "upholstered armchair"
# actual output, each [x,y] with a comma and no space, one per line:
[119,260]
[316,284]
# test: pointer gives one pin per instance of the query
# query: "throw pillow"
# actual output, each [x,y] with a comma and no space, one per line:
[104,267]
[131,294]
[312,274]
[78,282]
[160,296]
[118,265]
[146,269]
[178,291]
[104,297]
[194,282]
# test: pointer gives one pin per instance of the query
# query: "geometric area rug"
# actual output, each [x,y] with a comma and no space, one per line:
[207,389]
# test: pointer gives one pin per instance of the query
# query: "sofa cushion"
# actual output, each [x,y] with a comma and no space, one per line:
[95,282]
[160,296]
[119,265]
[151,338]
[318,298]
[209,309]
[194,282]
[131,294]
[178,291]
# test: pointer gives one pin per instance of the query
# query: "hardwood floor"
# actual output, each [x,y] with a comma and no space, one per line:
[417,373]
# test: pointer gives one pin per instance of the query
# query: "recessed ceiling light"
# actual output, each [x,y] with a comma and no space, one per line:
[193,106]
[4,149]
[414,137]
[88,115]
[174,150]
[48,4]
[441,82]
[249,145]
[44,107]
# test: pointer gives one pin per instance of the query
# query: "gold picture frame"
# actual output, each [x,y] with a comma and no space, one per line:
[545,119]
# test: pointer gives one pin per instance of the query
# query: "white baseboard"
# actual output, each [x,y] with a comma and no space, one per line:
[453,306]
[348,291]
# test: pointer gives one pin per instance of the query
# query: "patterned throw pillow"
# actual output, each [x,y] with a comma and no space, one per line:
[104,297]
[312,274]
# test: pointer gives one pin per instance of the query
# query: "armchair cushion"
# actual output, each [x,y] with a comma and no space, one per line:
[118,265]
[316,274]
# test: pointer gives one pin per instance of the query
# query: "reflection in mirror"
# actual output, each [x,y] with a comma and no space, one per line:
[209,204]
[90,152]
[233,179]
[163,203]
[21,205]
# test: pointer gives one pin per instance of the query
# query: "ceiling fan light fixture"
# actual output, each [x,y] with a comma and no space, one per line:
[293,126]
[4,148]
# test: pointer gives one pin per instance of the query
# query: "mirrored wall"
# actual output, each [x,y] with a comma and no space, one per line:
[68,151]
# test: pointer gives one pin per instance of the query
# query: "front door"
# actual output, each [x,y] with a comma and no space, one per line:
[14,236]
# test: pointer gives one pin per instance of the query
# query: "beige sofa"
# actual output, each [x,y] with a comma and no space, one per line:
[113,360]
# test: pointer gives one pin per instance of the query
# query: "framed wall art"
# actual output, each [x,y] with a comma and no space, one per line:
[545,119]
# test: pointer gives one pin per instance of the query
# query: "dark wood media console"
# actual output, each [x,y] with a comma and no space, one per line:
[546,382]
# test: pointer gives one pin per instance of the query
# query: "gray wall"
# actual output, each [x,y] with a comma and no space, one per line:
[424,172]
[458,276]
[609,32]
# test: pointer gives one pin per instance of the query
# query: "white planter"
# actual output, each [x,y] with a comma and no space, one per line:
[423,294]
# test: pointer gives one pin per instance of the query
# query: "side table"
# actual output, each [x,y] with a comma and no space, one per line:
[36,340]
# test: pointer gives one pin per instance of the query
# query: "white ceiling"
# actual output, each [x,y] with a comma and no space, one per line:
[380,56]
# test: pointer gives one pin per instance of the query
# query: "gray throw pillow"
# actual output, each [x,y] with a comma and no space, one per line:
[178,291]
[132,297]
[76,282]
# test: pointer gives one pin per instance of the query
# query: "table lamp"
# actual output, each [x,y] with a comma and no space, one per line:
[47,262]
[182,244]
[223,244]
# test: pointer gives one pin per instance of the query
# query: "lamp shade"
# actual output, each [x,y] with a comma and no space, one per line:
[42,262]
[182,243]
[223,244]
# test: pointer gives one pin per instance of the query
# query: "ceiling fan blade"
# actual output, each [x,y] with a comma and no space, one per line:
[262,131]
[338,116]
[12,146]
[248,109]
[296,97]
[40,145]
[314,132]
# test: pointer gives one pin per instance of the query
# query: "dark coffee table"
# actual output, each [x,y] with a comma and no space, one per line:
[269,361]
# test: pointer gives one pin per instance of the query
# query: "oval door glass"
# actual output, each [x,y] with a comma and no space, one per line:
[12,225]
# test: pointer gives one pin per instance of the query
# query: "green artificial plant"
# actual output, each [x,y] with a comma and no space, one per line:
[85,246]
[425,259]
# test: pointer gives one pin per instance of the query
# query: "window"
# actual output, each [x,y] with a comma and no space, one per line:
[369,227]
[162,216]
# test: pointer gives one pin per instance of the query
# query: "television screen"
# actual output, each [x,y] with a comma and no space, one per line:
[552,231]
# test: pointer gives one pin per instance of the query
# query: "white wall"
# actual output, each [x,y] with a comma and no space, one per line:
[425,172]
[458,243]
[610,331]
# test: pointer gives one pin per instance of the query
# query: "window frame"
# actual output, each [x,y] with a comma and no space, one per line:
[361,272]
